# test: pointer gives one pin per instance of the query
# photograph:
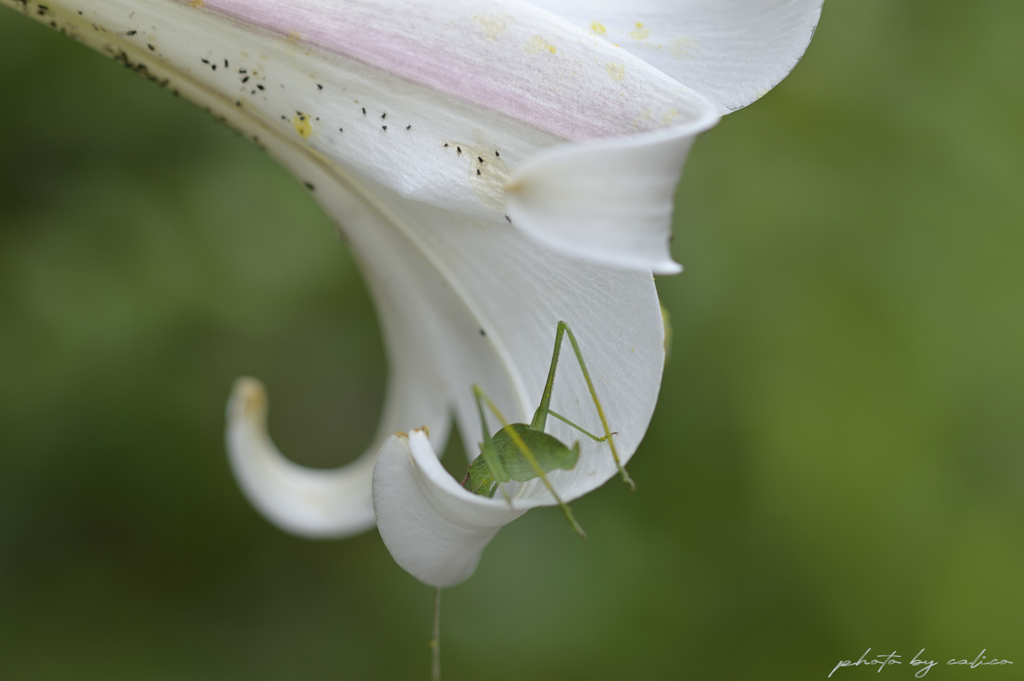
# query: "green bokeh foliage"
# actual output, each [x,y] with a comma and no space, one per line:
[836,463]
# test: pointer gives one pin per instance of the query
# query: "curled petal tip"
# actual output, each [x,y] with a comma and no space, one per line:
[305,501]
[248,402]
[434,529]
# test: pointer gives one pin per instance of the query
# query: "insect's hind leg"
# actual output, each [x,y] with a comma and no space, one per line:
[517,440]
[593,437]
[562,326]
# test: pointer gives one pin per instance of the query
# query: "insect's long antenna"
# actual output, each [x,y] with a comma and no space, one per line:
[597,403]
[435,641]
[518,441]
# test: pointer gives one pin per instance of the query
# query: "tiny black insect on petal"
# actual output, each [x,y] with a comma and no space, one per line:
[383,115]
[478,171]
[364,110]
[482,332]
[205,61]
[459,149]
[341,129]
[446,144]
[213,66]
[225,63]
[384,126]
[310,187]
[497,154]
[242,71]
[130,33]
[319,86]
[259,87]
[246,79]
[408,127]
[509,219]
[480,158]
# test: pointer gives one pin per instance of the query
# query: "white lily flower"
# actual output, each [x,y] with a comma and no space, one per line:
[496,167]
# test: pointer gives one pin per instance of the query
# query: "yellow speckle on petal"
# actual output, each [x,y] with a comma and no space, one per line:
[492,24]
[683,47]
[294,36]
[670,116]
[537,44]
[640,33]
[302,125]
[598,28]
[196,3]
[616,71]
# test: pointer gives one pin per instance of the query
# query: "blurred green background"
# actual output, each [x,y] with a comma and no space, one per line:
[836,463]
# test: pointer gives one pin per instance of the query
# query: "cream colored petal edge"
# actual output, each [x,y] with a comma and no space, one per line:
[732,51]
[434,529]
[609,201]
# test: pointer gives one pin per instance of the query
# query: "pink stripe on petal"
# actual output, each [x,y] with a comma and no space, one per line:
[506,57]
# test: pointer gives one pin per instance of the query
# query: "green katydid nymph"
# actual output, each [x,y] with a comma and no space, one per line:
[522,452]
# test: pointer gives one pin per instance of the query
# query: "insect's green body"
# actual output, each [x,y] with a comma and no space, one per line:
[548,451]
[523,452]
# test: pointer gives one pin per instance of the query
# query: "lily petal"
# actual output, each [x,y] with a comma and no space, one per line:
[435,529]
[301,500]
[731,51]
[610,201]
